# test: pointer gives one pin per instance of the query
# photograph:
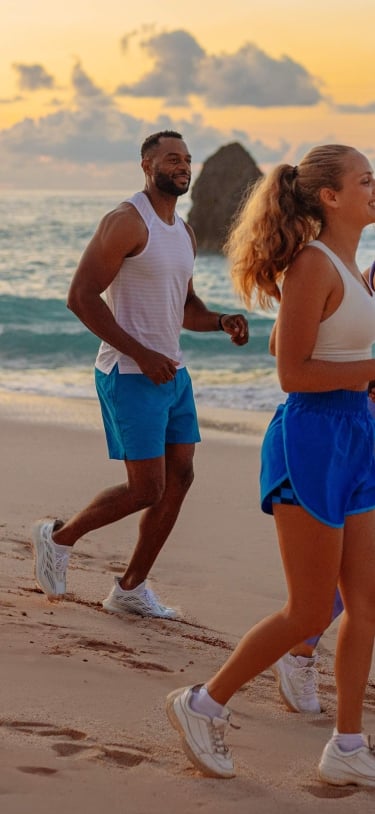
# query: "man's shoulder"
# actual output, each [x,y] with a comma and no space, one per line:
[124,212]
[123,226]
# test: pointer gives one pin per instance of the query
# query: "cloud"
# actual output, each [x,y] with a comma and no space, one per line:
[11,100]
[251,77]
[85,88]
[247,77]
[91,134]
[357,109]
[87,145]
[176,58]
[147,28]
[33,77]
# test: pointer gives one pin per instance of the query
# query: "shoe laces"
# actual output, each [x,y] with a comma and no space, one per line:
[306,679]
[217,729]
[61,561]
[149,597]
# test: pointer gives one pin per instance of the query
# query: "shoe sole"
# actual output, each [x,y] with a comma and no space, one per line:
[176,723]
[341,781]
[35,541]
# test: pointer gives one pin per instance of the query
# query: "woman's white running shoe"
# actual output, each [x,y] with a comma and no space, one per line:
[343,768]
[202,737]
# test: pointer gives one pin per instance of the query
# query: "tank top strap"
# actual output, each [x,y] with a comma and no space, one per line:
[337,262]
[143,206]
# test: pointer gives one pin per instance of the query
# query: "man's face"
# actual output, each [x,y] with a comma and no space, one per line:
[169,167]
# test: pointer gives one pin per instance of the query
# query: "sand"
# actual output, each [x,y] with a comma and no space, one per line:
[83,726]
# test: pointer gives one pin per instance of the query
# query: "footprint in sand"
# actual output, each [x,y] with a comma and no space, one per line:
[42,770]
[121,757]
[331,792]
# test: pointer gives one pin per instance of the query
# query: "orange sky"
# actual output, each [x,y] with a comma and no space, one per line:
[279,74]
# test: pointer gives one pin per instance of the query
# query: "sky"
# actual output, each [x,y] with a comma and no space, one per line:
[83,82]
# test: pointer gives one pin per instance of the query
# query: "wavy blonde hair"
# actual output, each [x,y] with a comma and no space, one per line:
[282,213]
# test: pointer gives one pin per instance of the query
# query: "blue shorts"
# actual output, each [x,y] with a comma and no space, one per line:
[141,417]
[323,444]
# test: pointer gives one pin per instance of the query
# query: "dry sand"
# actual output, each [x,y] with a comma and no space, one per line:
[83,727]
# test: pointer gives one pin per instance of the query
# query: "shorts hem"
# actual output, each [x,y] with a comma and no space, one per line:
[303,505]
[360,511]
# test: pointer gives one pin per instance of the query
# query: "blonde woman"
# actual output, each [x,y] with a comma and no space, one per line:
[300,230]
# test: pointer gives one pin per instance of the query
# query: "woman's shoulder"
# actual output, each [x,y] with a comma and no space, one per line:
[311,257]
[311,269]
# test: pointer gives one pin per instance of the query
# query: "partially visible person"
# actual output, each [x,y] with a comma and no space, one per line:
[296,673]
[142,257]
[371,398]
[301,228]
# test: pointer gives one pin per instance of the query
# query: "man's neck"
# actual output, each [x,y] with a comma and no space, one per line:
[163,204]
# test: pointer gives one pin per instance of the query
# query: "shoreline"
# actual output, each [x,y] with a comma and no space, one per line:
[84,413]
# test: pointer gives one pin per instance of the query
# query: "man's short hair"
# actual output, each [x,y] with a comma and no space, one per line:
[154,139]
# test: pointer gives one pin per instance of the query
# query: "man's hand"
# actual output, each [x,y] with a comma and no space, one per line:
[237,327]
[159,368]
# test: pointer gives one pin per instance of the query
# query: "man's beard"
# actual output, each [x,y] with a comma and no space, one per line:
[166,184]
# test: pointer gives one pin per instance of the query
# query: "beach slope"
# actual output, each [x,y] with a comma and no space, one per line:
[83,725]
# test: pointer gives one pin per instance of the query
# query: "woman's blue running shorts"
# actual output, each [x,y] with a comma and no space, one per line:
[323,443]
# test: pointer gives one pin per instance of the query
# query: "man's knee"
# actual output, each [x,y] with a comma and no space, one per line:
[147,485]
[184,477]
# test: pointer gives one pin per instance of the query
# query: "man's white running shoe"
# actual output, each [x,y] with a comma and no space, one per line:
[343,768]
[140,600]
[51,560]
[202,737]
[298,679]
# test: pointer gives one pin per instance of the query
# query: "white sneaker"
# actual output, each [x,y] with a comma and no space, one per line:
[51,560]
[298,680]
[342,768]
[140,600]
[202,737]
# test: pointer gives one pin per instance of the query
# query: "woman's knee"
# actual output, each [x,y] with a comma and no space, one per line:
[309,622]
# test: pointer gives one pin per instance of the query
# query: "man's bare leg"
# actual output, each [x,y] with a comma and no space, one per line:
[158,485]
[157,521]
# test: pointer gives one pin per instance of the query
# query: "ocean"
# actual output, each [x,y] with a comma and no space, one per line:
[45,350]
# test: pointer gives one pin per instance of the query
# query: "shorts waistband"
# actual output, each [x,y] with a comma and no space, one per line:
[352,401]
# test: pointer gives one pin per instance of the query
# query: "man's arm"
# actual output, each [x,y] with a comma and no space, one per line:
[198,318]
[121,233]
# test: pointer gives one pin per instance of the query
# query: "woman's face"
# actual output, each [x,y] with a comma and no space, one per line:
[356,199]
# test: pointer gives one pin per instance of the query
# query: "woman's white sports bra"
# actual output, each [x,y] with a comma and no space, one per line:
[349,333]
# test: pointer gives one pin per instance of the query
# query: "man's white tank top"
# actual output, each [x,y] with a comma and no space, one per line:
[348,334]
[148,295]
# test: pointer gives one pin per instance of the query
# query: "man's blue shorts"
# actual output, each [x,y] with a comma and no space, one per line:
[323,444]
[141,417]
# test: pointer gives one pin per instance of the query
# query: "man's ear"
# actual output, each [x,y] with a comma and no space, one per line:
[145,164]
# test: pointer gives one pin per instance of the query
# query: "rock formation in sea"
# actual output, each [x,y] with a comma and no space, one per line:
[218,192]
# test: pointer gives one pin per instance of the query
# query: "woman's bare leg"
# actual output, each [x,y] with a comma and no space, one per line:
[311,554]
[357,628]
